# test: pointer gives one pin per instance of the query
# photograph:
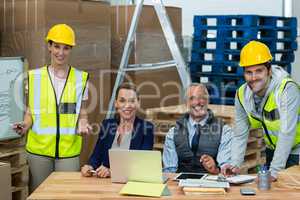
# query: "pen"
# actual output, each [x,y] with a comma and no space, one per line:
[19,126]
[264,169]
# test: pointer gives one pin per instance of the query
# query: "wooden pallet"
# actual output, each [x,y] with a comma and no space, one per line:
[20,176]
[250,167]
[13,152]
[163,125]
[20,193]
[255,143]
[174,112]
[161,132]
[255,153]
[254,156]
[13,143]
[15,156]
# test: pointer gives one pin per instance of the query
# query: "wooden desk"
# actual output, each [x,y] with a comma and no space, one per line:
[71,185]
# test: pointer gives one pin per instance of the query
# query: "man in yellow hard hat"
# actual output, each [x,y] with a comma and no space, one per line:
[269,99]
[56,110]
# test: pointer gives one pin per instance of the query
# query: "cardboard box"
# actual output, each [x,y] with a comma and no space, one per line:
[5,183]
[150,44]
[148,22]
[32,15]
[159,87]
[26,22]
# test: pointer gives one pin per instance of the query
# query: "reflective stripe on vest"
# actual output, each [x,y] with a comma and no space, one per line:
[271,118]
[53,132]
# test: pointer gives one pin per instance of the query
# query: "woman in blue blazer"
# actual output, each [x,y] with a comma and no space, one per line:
[125,131]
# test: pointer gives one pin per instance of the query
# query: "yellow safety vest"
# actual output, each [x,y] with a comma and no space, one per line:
[53,132]
[270,121]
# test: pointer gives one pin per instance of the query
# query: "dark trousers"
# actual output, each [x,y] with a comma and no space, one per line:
[292,160]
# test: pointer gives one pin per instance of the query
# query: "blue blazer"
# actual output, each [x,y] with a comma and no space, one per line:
[142,139]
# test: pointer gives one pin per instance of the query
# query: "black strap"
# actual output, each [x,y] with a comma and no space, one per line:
[267,133]
[264,125]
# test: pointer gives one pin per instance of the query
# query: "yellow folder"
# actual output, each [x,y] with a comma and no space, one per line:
[145,189]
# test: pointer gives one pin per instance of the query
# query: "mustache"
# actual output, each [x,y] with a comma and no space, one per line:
[251,82]
[257,81]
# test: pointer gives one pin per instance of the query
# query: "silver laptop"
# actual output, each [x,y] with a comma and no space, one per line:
[135,165]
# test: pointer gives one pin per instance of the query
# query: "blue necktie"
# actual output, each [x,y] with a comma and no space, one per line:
[196,137]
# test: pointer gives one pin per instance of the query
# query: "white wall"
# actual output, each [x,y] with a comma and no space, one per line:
[222,7]
[296,64]
[120,2]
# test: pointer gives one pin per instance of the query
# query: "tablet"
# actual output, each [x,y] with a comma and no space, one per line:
[186,175]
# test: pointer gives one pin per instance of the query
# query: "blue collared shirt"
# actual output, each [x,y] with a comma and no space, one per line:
[170,158]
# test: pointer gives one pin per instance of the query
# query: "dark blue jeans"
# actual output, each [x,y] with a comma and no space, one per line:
[292,160]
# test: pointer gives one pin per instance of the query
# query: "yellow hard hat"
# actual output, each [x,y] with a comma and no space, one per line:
[61,33]
[254,53]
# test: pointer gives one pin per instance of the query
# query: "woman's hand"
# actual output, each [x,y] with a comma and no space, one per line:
[86,170]
[84,128]
[20,127]
[103,172]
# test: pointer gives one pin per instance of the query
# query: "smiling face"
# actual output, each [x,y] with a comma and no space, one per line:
[197,101]
[257,78]
[59,53]
[126,104]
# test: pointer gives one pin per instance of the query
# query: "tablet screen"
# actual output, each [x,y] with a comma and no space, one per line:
[189,176]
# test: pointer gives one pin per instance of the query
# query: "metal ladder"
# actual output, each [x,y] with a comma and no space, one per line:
[170,38]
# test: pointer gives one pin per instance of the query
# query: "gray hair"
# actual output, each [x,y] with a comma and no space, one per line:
[201,85]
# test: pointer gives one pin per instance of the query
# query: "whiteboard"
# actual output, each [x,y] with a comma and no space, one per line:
[11,95]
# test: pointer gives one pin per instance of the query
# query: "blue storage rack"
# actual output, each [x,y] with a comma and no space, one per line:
[222,88]
[218,40]
[277,22]
[216,56]
[210,21]
[213,21]
[225,68]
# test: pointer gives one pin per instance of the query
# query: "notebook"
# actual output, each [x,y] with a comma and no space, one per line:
[237,179]
[141,170]
[136,165]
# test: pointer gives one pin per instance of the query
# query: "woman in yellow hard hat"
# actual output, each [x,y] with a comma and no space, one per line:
[56,115]
[269,99]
